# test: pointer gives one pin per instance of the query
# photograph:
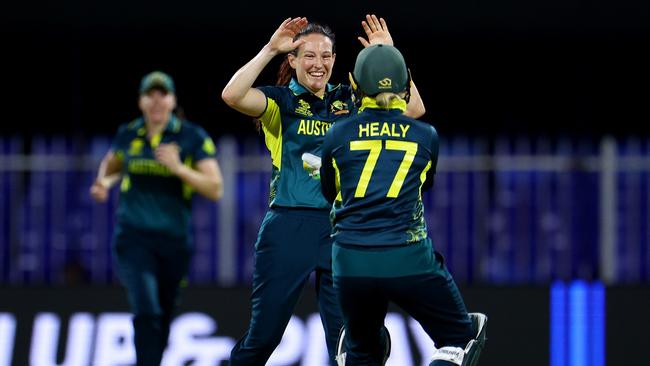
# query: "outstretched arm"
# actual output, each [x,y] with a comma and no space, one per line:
[239,92]
[377,33]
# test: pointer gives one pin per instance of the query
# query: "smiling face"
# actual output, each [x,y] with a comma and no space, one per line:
[313,62]
[156,106]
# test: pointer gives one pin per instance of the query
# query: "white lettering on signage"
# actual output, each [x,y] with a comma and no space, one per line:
[424,344]
[114,343]
[191,342]
[107,339]
[46,339]
[400,354]
[314,354]
[7,334]
[291,347]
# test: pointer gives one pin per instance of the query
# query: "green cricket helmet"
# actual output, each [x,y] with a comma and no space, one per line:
[380,68]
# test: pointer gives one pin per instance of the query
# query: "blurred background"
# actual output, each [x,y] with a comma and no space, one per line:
[542,198]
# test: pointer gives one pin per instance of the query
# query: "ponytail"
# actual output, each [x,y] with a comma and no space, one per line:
[285,73]
[383,99]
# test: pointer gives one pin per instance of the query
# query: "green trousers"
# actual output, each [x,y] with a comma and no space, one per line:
[432,298]
[151,266]
[292,243]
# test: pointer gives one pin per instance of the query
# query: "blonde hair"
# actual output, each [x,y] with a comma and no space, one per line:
[384,99]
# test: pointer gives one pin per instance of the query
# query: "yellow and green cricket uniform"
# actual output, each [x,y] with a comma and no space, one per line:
[375,165]
[294,238]
[153,241]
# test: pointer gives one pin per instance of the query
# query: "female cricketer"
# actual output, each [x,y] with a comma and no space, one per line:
[161,161]
[375,164]
[294,239]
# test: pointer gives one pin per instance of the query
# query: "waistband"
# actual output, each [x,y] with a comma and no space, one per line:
[301,211]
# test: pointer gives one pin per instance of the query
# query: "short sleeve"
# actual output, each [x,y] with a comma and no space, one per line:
[273,92]
[275,95]
[203,147]
[270,118]
[120,141]
[435,146]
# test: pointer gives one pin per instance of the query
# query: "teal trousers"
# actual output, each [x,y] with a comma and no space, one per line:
[292,243]
[151,267]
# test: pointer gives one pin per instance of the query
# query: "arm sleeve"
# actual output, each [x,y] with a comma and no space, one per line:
[270,118]
[120,142]
[327,174]
[203,148]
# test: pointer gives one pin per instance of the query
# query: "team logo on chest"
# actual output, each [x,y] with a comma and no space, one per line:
[136,147]
[304,108]
[337,108]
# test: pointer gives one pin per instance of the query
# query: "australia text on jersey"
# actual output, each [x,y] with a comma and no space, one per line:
[313,127]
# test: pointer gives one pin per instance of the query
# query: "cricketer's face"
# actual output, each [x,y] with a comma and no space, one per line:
[157,105]
[313,62]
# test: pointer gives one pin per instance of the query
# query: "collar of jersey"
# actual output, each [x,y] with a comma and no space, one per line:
[297,89]
[369,102]
[174,125]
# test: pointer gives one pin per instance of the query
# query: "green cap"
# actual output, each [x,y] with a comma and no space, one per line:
[381,68]
[159,80]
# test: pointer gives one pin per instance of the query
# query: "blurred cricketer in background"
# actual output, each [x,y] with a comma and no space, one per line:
[160,160]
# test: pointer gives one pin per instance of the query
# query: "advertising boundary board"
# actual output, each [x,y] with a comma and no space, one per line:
[91,326]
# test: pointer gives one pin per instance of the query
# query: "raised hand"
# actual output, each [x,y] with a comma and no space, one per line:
[376,31]
[282,40]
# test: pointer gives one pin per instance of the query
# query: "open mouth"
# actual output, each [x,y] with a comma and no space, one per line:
[317,74]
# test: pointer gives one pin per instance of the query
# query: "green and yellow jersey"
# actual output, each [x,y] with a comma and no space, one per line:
[151,197]
[377,162]
[295,122]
